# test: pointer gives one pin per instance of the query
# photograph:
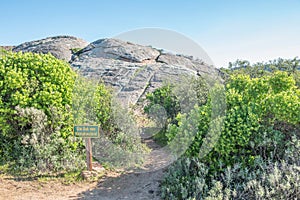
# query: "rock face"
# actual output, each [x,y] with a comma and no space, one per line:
[60,46]
[133,70]
[120,50]
[7,48]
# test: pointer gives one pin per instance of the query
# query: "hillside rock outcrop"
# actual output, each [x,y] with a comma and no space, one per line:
[60,46]
[134,70]
[6,48]
[120,50]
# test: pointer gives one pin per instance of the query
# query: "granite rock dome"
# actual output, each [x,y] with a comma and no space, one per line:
[131,69]
[60,46]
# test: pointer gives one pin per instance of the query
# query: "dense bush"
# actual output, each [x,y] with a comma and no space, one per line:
[103,106]
[189,178]
[41,100]
[42,149]
[166,105]
[291,66]
[257,146]
[91,102]
[83,101]
[165,98]
[35,112]
[178,98]
[185,179]
[254,107]
[33,80]
[119,143]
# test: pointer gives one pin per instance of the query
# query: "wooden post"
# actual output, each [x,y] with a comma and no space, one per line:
[88,149]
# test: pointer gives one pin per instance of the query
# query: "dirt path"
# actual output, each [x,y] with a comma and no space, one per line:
[142,183]
[36,190]
[131,186]
[138,184]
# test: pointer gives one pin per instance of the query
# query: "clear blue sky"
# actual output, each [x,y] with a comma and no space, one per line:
[227,29]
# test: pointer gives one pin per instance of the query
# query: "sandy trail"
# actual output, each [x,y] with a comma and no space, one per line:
[138,184]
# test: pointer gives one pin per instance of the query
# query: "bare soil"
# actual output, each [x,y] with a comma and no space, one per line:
[141,184]
[11,188]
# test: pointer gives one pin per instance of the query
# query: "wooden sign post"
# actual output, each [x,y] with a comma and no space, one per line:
[87,132]
[88,150]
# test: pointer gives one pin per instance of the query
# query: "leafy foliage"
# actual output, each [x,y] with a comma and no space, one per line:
[171,102]
[83,101]
[291,66]
[91,102]
[42,149]
[164,97]
[256,154]
[254,106]
[189,178]
[103,106]
[34,80]
[186,179]
[119,144]
[35,112]
[176,98]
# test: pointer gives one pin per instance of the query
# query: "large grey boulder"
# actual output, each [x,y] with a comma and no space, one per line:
[60,46]
[6,48]
[134,70]
[118,49]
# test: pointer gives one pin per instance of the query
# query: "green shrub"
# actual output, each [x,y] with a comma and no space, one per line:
[83,101]
[185,179]
[254,107]
[42,149]
[190,179]
[165,98]
[166,105]
[291,66]
[103,106]
[119,144]
[279,181]
[268,181]
[292,150]
[35,112]
[92,102]
[256,153]
[34,80]
[178,98]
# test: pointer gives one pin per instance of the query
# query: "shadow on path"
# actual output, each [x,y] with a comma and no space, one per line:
[131,186]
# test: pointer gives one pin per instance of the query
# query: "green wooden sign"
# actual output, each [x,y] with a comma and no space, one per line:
[86,131]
